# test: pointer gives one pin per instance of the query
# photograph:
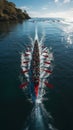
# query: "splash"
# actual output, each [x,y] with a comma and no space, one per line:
[36,66]
[39,119]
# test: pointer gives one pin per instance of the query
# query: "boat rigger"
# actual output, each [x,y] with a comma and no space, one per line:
[36,64]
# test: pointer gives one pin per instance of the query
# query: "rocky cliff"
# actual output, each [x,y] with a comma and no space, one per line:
[9,12]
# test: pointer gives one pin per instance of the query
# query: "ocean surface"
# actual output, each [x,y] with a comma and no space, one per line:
[16,112]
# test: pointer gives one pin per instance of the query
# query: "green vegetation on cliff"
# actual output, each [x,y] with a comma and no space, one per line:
[9,12]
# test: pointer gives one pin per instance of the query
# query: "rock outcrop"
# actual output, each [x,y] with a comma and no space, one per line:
[9,12]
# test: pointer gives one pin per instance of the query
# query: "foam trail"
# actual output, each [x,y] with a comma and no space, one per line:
[39,119]
[31,39]
[36,34]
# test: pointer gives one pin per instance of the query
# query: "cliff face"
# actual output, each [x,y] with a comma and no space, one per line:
[9,12]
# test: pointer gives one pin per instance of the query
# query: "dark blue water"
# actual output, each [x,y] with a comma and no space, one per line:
[14,107]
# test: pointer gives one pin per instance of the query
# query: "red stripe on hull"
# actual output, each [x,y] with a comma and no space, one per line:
[36,88]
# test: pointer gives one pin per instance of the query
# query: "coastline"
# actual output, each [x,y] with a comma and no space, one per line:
[10,13]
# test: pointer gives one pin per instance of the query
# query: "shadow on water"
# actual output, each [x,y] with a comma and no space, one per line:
[6,28]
